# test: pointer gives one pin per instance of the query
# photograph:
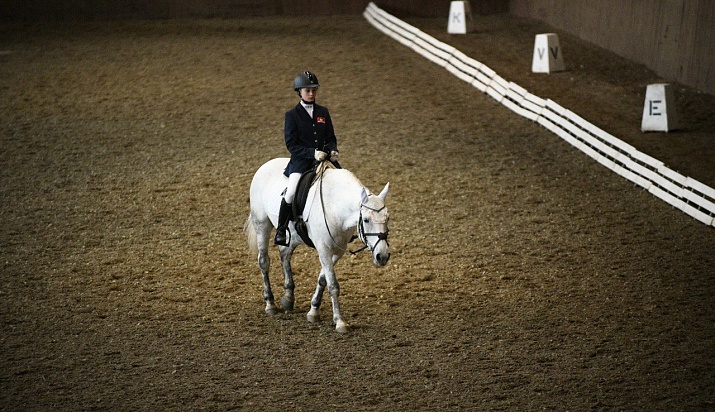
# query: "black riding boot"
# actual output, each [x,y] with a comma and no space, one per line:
[283,218]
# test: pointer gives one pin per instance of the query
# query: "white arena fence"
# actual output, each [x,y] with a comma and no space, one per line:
[685,193]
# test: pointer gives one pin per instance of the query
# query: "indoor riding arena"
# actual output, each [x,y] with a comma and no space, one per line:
[524,275]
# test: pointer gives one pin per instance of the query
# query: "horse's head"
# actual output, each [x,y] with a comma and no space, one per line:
[372,226]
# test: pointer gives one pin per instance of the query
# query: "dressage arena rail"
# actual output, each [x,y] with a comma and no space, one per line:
[685,193]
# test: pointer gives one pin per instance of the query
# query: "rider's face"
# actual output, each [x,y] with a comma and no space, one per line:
[308,94]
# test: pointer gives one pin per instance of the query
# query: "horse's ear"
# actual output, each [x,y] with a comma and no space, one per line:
[383,194]
[364,196]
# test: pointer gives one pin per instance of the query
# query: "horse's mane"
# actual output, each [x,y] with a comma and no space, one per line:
[321,168]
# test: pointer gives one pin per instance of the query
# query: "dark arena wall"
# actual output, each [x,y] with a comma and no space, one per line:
[171,9]
[673,38]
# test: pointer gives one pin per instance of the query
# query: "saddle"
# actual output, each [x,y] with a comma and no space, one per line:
[306,181]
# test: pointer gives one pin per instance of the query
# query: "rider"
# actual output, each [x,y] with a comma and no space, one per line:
[309,137]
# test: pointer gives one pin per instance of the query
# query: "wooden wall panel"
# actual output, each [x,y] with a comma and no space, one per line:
[675,38]
[701,68]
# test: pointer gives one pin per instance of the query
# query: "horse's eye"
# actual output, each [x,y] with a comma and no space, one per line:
[366,220]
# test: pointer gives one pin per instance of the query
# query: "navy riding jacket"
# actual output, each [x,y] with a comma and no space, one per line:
[304,135]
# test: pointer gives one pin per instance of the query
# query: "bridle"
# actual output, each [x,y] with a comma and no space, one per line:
[363,236]
[361,229]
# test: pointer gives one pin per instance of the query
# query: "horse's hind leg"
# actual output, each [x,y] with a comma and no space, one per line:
[264,263]
[314,313]
[288,299]
[317,299]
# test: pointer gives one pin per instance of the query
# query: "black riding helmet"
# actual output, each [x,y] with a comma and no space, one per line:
[305,79]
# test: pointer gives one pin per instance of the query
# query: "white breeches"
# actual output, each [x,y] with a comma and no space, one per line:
[292,187]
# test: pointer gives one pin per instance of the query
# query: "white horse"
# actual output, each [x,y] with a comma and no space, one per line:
[336,206]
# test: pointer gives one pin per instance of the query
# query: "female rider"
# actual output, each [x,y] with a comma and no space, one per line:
[309,137]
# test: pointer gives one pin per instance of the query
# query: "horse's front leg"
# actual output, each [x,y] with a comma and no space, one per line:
[314,313]
[331,281]
[288,299]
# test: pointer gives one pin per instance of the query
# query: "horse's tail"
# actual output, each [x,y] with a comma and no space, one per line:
[250,230]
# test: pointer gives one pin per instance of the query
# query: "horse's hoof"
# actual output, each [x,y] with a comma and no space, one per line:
[341,327]
[288,303]
[313,317]
[271,310]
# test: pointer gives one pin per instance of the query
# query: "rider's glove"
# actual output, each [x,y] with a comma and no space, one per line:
[334,155]
[320,156]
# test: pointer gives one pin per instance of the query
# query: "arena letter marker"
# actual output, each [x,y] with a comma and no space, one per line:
[659,114]
[460,18]
[547,54]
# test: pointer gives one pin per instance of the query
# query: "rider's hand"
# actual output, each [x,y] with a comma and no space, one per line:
[320,156]
[334,155]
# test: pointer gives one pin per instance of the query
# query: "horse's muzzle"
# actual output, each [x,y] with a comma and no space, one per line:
[382,258]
